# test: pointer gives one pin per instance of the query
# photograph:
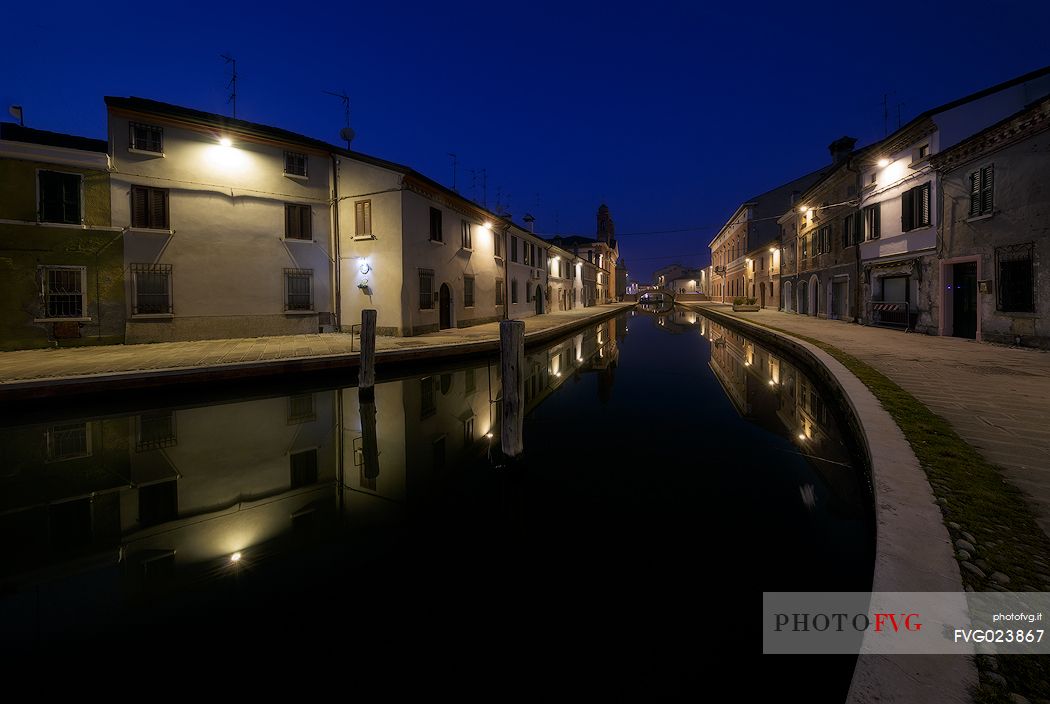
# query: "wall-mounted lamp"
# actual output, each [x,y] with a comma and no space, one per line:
[363,285]
[364,267]
[226,142]
[883,163]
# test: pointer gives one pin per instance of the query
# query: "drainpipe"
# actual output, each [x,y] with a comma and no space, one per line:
[337,260]
[859,234]
[506,273]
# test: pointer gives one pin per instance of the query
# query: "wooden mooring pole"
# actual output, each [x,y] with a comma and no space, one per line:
[366,379]
[512,360]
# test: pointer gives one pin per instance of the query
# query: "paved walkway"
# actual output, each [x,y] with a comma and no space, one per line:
[996,397]
[91,362]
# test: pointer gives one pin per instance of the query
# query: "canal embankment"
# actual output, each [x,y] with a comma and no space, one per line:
[38,374]
[913,549]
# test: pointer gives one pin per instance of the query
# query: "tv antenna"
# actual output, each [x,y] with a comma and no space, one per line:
[347,134]
[232,85]
[455,164]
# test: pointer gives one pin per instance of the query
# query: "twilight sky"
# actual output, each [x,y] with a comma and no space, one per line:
[672,113]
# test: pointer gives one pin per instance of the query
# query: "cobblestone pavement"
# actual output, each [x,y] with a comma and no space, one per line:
[996,397]
[66,363]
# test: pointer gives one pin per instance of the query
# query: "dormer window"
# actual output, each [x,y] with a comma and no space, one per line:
[295,164]
[147,138]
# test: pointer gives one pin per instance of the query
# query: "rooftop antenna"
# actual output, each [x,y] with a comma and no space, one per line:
[232,85]
[16,111]
[347,134]
[899,106]
[455,164]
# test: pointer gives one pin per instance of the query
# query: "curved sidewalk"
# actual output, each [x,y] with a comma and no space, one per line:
[28,373]
[996,398]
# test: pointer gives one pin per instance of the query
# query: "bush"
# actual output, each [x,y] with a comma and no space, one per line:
[741,301]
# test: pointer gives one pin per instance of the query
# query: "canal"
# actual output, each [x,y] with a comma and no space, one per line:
[674,469]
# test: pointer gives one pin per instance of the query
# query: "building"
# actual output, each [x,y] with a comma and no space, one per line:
[62,258]
[825,277]
[598,256]
[686,281]
[621,279]
[564,279]
[526,273]
[749,240]
[899,197]
[994,232]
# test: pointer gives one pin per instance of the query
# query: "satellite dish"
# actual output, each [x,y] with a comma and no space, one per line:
[347,134]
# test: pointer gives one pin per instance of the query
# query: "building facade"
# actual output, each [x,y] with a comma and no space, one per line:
[62,258]
[995,232]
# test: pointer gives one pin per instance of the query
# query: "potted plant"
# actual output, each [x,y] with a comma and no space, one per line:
[741,303]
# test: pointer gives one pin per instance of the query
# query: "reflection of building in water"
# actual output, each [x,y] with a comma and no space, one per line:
[167,488]
[775,394]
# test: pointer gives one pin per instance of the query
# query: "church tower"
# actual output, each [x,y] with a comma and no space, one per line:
[606,230]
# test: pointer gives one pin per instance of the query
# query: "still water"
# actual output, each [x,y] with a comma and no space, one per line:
[673,471]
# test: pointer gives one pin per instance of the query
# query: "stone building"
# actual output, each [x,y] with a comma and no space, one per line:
[61,259]
[995,232]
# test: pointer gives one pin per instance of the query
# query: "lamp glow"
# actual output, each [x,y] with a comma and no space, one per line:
[772,383]
[883,163]
[235,557]
[801,208]
[226,142]
[487,225]
[772,250]
[488,435]
[801,436]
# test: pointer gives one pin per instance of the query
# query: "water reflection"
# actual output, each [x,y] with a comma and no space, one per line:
[173,494]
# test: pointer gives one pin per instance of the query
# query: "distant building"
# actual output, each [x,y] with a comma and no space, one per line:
[62,258]
[598,256]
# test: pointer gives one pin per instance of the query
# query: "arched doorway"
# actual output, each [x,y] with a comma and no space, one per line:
[802,307]
[445,307]
[539,300]
[814,294]
[762,295]
[787,297]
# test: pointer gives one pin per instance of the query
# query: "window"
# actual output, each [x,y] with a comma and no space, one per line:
[499,292]
[427,406]
[303,468]
[297,224]
[468,291]
[62,288]
[924,151]
[363,218]
[151,289]
[68,441]
[295,164]
[526,254]
[824,240]
[981,192]
[155,430]
[528,293]
[513,248]
[850,228]
[435,226]
[915,208]
[804,245]
[497,244]
[426,289]
[301,409]
[59,197]
[298,289]
[872,216]
[513,290]
[468,431]
[149,208]
[158,503]
[1016,278]
[465,234]
[147,138]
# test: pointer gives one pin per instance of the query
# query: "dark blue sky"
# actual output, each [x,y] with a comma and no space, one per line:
[673,113]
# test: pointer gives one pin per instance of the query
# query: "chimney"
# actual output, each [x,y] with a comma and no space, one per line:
[840,149]
[530,222]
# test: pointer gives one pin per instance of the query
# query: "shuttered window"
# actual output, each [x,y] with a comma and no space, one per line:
[59,197]
[513,291]
[513,249]
[915,208]
[499,292]
[497,244]
[149,208]
[981,192]
[468,291]
[824,240]
[464,237]
[426,289]
[436,235]
[295,164]
[363,218]
[297,225]
[872,221]
[147,138]
[850,227]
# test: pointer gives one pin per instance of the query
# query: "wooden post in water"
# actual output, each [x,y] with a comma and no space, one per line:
[512,359]
[366,379]
[369,442]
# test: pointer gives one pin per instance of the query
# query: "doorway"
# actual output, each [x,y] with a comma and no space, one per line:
[964,300]
[762,294]
[539,300]
[840,299]
[445,307]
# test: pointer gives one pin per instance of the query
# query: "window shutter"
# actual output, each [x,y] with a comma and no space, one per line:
[975,193]
[924,211]
[305,230]
[908,210]
[140,207]
[986,190]
[70,198]
[158,209]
